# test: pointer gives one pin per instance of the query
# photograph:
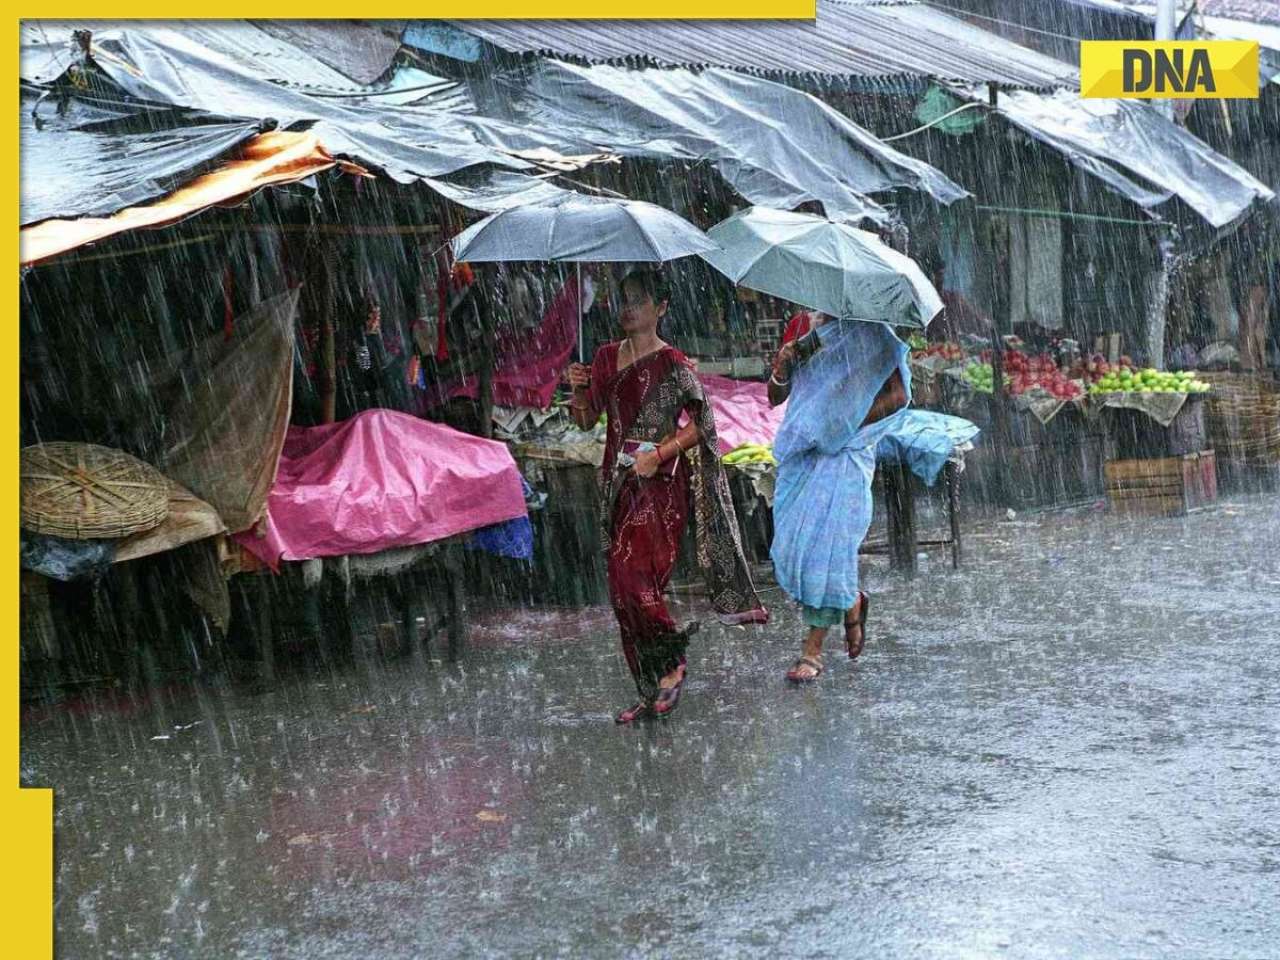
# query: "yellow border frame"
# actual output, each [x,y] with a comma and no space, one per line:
[27,815]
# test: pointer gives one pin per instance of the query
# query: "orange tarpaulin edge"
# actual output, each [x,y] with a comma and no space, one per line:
[269,158]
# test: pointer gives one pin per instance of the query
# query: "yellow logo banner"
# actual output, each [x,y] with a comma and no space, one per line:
[1169,69]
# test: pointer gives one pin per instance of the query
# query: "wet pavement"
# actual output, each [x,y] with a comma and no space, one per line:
[1067,748]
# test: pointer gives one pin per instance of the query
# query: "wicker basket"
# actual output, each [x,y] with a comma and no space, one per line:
[1244,418]
[86,492]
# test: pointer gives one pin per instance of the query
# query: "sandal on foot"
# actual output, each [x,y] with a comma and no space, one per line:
[636,711]
[853,643]
[669,697]
[813,663]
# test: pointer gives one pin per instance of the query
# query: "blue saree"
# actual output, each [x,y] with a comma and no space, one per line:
[826,461]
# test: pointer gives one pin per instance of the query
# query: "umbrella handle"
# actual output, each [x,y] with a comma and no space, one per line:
[581,346]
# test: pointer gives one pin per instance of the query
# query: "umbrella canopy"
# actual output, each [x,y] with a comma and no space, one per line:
[584,230]
[832,267]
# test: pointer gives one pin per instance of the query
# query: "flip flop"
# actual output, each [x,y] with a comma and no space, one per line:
[669,697]
[852,647]
[812,662]
[635,712]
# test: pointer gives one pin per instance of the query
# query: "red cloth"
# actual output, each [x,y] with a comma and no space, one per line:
[381,480]
[648,526]
[797,327]
[528,365]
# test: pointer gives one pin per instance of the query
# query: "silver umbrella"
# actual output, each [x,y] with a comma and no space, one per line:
[580,229]
[833,267]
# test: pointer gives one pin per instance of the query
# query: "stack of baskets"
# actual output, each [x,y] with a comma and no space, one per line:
[1244,419]
[80,491]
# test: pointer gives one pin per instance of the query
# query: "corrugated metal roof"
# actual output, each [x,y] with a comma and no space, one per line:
[360,49]
[1257,11]
[848,39]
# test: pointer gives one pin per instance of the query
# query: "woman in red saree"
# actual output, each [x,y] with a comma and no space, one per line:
[654,470]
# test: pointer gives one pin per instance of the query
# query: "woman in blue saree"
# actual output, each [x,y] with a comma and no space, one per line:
[840,402]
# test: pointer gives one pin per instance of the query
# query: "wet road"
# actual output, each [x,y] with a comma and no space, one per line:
[1068,748]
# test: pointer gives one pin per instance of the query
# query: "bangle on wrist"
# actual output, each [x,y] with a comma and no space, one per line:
[773,378]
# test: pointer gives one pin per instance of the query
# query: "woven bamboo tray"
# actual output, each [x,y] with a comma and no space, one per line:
[85,492]
[1244,418]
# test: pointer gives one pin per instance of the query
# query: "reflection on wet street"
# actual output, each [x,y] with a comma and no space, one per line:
[1067,748]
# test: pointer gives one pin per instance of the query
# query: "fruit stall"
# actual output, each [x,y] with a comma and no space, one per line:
[1160,458]
[1066,427]
[1040,448]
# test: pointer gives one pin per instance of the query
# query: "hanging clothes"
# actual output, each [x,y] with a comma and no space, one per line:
[1035,262]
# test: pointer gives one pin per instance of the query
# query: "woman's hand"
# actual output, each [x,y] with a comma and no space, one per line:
[784,361]
[579,376]
[647,463]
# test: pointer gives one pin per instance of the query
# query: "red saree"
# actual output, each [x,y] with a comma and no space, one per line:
[644,520]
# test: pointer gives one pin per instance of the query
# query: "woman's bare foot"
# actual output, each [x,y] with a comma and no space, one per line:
[809,666]
[636,711]
[669,688]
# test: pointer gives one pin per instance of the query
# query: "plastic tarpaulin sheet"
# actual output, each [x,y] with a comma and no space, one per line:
[742,411]
[91,162]
[231,410]
[235,72]
[924,441]
[63,559]
[775,145]
[494,190]
[270,158]
[1137,152]
[179,96]
[381,480]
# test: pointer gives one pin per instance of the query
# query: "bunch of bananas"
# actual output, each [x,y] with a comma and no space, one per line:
[749,453]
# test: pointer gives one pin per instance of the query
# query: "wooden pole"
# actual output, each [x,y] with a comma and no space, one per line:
[999,251]
[328,350]
[488,336]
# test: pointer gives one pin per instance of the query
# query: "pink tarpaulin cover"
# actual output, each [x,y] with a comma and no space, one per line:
[742,410]
[380,480]
[527,365]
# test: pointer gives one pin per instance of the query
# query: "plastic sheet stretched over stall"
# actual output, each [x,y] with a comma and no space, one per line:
[924,441]
[1138,153]
[775,145]
[742,411]
[208,83]
[88,161]
[237,72]
[230,411]
[381,480]
[271,158]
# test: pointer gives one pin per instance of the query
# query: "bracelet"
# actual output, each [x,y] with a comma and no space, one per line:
[773,378]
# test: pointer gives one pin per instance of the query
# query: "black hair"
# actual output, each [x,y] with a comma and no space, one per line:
[651,280]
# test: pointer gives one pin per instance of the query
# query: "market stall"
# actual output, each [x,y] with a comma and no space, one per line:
[1160,460]
[387,494]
